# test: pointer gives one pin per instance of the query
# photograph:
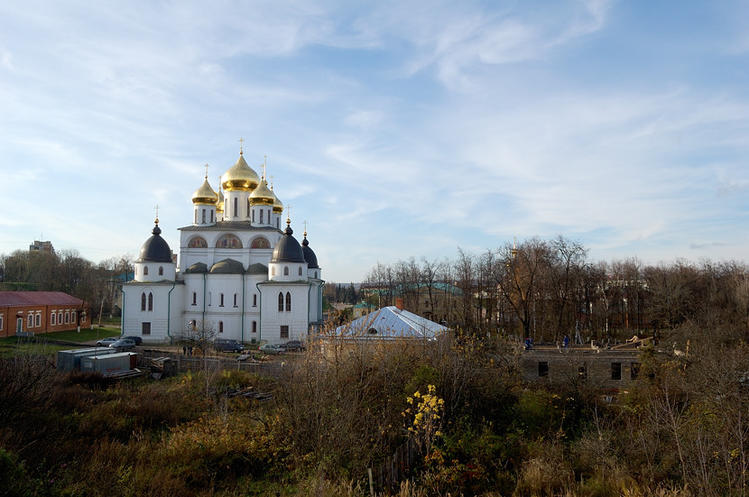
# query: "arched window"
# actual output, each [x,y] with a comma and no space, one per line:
[288,301]
[372,331]
[145,270]
[211,215]
[254,300]
[150,301]
[143,301]
[221,300]
[161,271]
[202,216]
[254,326]
[280,302]
[197,242]
[194,298]
[236,214]
[300,270]
[253,216]
[221,323]
[53,318]
[286,270]
[229,241]
[30,321]
[261,216]
[235,300]
[260,243]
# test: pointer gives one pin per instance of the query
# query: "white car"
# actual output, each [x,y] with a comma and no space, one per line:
[272,349]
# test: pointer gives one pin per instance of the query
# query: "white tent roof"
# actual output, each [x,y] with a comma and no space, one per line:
[391,322]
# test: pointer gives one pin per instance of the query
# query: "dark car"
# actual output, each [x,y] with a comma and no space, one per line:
[137,340]
[122,344]
[293,346]
[227,345]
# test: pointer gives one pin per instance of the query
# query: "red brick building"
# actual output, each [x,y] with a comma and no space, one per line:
[41,312]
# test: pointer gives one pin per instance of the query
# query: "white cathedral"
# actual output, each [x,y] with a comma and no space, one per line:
[240,276]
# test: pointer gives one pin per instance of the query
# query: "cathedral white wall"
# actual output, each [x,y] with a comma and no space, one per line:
[315,301]
[204,214]
[272,319]
[211,254]
[164,318]
[168,269]
[296,271]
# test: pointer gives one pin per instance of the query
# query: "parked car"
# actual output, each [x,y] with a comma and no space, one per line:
[293,346]
[106,342]
[137,340]
[272,349]
[122,344]
[227,345]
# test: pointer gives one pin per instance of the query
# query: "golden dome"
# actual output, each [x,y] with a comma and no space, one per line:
[220,201]
[262,194]
[277,204]
[204,194]
[240,176]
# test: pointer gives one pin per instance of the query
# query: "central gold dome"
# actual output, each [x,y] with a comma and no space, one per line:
[240,176]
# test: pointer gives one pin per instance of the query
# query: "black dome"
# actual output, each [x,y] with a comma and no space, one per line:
[155,249]
[288,249]
[309,255]
[198,267]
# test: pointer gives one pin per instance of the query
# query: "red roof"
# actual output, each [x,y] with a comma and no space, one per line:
[14,299]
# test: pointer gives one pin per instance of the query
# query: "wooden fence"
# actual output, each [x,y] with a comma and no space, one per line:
[397,468]
[197,363]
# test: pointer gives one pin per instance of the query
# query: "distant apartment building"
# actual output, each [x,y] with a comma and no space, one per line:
[42,246]
[41,312]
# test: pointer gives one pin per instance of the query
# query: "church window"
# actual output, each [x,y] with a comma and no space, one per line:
[254,300]
[260,243]
[220,326]
[235,300]
[253,216]
[30,321]
[194,298]
[280,302]
[52,319]
[221,300]
[161,271]
[278,223]
[300,270]
[150,301]
[284,331]
[202,216]
[372,331]
[235,207]
[211,215]
[197,242]
[254,326]
[143,301]
[229,241]
[288,301]
[261,216]
[286,270]
[145,328]
[145,270]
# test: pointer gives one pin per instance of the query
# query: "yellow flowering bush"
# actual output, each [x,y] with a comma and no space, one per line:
[424,418]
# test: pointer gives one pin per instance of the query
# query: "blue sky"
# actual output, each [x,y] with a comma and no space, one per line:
[395,129]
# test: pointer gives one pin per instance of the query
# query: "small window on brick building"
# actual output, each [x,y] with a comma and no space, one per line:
[1,322]
[53,318]
[284,331]
[38,320]
[145,328]
[30,321]
[616,370]
[543,369]
[634,370]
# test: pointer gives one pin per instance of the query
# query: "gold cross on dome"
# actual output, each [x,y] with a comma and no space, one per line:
[305,227]
[241,143]
[156,208]
[206,170]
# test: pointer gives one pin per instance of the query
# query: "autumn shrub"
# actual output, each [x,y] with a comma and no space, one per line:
[546,472]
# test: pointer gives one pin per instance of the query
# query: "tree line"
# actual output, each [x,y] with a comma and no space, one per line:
[545,289]
[66,271]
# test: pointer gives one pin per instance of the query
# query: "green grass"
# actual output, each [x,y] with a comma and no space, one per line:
[86,335]
[23,348]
